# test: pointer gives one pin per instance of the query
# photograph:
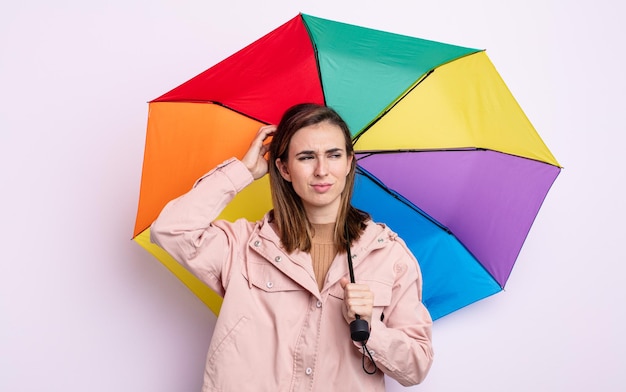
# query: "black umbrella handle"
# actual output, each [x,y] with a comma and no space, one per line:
[359,328]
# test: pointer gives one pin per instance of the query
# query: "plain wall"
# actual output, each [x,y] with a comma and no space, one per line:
[84,308]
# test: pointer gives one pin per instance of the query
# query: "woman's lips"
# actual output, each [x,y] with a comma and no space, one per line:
[321,188]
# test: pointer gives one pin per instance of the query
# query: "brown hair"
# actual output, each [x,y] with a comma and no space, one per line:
[289,214]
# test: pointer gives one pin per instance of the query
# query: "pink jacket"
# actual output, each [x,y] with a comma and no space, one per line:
[276,331]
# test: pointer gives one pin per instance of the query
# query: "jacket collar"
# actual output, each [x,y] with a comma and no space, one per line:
[297,265]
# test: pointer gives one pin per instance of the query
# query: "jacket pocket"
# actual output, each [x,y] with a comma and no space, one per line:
[269,279]
[382,296]
[226,341]
[381,290]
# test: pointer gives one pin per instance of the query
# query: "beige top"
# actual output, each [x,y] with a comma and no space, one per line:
[322,250]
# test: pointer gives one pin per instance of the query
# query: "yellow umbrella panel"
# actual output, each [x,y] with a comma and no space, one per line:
[462,104]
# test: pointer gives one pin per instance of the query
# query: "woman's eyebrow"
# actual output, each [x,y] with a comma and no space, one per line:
[312,152]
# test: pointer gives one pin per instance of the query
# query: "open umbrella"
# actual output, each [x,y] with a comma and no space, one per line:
[446,157]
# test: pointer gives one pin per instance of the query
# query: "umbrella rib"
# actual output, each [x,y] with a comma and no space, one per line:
[403,200]
[388,108]
[367,153]
[401,96]
[217,103]
[317,58]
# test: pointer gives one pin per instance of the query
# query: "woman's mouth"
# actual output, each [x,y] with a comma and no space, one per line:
[321,188]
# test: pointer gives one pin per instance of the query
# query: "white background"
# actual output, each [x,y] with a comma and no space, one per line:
[84,308]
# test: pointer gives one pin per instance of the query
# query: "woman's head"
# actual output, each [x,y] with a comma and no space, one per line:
[312,171]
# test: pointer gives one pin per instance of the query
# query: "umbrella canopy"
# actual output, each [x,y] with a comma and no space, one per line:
[446,157]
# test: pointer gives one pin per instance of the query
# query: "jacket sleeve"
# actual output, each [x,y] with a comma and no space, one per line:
[186,229]
[402,341]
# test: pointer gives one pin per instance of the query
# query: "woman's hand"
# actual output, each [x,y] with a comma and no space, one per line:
[359,299]
[255,159]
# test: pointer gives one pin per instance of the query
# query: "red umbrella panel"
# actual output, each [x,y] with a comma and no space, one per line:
[446,157]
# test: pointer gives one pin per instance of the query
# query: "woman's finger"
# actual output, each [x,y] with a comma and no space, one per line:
[254,158]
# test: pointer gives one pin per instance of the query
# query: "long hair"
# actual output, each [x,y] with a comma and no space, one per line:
[289,215]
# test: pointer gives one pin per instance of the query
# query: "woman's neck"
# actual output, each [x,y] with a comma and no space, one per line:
[323,233]
[321,216]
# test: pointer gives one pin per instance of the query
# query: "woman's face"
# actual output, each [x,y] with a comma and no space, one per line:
[317,166]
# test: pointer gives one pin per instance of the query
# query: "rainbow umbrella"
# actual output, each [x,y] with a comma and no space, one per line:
[446,157]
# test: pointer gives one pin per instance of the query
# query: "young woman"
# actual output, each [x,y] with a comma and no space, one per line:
[288,303]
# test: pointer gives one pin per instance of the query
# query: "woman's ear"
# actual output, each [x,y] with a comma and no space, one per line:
[282,169]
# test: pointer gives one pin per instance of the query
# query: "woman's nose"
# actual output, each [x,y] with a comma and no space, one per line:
[321,169]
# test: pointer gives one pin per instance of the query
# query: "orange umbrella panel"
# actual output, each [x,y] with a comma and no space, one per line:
[184,141]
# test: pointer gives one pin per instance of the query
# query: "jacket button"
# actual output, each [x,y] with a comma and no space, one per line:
[319,304]
[277,259]
[257,243]
[308,371]
[380,240]
[269,285]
